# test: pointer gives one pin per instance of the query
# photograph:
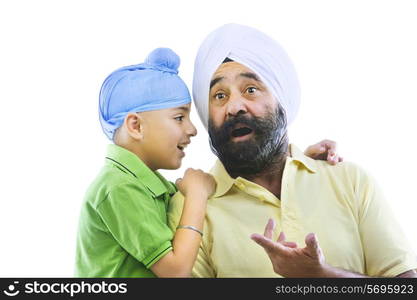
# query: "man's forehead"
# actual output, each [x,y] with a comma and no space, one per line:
[232,71]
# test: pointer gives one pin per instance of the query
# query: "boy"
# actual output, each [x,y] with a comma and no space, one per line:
[123,231]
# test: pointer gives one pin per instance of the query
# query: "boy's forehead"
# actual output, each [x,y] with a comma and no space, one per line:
[155,113]
[231,72]
[184,108]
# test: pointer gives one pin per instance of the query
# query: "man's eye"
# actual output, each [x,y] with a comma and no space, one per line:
[220,96]
[180,118]
[251,89]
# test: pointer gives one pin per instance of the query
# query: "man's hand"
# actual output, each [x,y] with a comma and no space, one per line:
[290,261]
[324,150]
[287,259]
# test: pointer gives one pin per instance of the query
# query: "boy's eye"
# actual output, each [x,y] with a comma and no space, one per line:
[251,89]
[179,118]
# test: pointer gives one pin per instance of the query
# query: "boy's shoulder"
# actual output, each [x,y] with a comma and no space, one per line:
[113,180]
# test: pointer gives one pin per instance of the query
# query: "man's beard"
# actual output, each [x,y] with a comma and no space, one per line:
[267,147]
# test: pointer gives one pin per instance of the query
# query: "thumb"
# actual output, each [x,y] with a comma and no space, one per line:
[264,242]
[312,245]
[314,150]
[178,181]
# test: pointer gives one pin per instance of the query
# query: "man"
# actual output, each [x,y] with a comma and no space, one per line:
[246,92]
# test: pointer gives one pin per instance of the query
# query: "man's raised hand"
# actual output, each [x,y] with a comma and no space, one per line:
[287,259]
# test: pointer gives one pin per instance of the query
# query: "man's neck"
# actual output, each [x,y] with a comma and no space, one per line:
[271,178]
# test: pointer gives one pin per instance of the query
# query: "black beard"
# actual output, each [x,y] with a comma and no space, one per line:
[263,151]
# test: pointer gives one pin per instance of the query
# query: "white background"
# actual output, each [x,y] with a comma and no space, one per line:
[357,63]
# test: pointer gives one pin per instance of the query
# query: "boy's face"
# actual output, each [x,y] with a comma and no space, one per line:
[166,133]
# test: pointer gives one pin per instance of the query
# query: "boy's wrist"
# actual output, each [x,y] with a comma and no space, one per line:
[198,194]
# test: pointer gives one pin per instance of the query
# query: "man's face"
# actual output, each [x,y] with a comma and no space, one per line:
[237,90]
[247,127]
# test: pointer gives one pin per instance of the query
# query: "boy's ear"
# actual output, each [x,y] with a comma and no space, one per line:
[134,125]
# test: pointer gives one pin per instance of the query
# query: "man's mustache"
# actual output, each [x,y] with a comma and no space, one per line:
[225,130]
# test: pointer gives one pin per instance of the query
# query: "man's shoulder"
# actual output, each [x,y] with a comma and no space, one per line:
[345,168]
[347,174]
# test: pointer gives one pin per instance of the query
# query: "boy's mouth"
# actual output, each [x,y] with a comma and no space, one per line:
[182,146]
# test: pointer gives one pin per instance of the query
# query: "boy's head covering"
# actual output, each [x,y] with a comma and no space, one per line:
[256,51]
[151,85]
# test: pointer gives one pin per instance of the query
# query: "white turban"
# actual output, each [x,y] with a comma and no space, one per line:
[255,50]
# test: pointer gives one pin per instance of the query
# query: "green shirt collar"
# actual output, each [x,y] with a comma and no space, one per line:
[154,181]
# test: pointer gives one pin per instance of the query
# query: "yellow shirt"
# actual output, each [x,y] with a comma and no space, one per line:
[341,204]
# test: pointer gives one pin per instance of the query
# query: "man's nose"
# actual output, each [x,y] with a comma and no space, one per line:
[236,105]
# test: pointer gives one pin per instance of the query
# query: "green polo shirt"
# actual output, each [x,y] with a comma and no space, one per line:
[123,227]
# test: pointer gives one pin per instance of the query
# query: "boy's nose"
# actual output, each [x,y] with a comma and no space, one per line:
[192,131]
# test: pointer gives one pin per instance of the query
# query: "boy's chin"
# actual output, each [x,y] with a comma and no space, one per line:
[173,165]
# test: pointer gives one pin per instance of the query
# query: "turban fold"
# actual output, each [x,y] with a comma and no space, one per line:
[151,85]
[255,50]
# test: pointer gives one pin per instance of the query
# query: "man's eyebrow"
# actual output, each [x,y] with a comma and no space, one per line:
[214,81]
[250,75]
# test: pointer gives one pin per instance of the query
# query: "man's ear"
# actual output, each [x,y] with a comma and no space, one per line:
[134,125]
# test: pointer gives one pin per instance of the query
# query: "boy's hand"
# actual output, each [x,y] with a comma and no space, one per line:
[324,150]
[196,181]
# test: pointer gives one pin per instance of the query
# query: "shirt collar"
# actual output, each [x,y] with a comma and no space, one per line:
[223,179]
[154,181]
[225,182]
[298,156]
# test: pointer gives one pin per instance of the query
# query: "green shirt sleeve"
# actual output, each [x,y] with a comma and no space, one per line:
[137,221]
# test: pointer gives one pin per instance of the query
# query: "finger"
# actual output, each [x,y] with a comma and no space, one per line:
[267,244]
[290,244]
[332,158]
[178,181]
[312,244]
[269,228]
[330,145]
[315,150]
[281,237]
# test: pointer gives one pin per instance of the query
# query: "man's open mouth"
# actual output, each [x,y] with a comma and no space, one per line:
[240,131]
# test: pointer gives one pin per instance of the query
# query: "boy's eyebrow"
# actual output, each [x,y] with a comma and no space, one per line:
[214,81]
[184,108]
